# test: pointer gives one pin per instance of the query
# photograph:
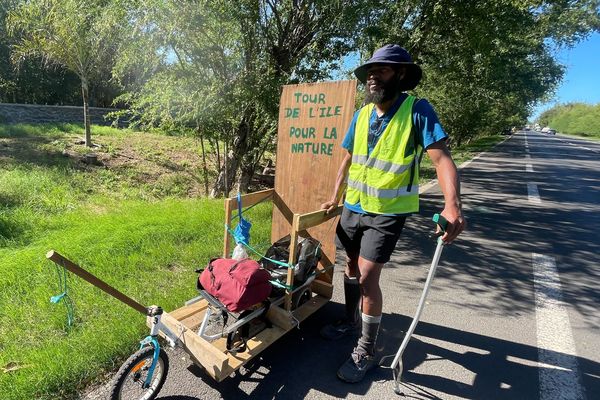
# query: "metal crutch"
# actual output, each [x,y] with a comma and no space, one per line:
[397,362]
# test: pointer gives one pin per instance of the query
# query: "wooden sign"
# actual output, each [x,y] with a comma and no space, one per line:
[313,120]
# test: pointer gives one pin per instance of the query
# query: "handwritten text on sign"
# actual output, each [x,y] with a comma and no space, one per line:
[305,137]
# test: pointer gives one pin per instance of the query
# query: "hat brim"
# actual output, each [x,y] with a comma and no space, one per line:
[410,81]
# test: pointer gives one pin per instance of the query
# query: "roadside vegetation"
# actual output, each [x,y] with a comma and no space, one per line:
[138,221]
[579,119]
[216,67]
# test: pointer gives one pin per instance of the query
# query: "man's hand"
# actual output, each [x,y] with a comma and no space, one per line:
[329,206]
[456,224]
[340,184]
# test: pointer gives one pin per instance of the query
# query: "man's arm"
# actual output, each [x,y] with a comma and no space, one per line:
[340,184]
[447,175]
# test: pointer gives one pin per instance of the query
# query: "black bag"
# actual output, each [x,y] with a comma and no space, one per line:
[308,256]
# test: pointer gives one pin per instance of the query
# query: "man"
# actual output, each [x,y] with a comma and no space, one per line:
[385,142]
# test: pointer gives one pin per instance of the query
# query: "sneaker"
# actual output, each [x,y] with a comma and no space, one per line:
[339,329]
[356,367]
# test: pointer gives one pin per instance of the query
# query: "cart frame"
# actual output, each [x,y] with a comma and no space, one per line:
[184,323]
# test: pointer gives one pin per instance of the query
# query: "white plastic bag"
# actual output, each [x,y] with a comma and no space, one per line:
[239,253]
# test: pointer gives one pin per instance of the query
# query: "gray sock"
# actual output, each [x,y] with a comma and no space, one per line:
[352,296]
[370,329]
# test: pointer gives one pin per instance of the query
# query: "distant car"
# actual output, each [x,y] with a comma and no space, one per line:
[548,130]
[551,131]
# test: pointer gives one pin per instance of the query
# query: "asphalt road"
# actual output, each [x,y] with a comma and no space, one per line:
[513,311]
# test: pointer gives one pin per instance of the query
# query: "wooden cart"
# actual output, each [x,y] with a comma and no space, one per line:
[214,356]
[312,120]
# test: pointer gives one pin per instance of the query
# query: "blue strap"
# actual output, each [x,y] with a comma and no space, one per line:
[242,230]
[64,296]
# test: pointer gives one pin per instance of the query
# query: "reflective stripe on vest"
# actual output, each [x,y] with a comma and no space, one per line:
[381,181]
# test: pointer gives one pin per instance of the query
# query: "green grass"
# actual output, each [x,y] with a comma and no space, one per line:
[140,226]
[145,240]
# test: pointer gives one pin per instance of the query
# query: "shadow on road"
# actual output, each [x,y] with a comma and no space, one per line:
[497,265]
[302,364]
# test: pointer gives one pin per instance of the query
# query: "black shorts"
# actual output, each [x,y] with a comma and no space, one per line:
[371,236]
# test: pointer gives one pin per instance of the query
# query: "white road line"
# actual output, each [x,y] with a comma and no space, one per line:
[578,145]
[528,168]
[558,369]
[533,194]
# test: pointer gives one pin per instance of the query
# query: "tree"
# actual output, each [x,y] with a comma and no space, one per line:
[227,61]
[77,35]
[485,63]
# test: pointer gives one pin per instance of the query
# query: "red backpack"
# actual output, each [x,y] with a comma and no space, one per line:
[237,284]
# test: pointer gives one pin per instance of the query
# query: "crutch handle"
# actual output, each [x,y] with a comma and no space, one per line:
[441,222]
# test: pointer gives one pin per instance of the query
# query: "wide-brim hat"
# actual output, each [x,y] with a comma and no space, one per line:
[394,55]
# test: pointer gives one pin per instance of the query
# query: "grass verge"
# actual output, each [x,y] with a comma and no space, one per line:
[142,236]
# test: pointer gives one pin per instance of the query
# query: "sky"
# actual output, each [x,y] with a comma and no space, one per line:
[581,81]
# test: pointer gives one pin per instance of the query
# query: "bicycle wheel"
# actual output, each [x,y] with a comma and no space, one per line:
[130,378]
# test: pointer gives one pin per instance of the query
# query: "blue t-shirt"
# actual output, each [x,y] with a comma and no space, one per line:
[426,125]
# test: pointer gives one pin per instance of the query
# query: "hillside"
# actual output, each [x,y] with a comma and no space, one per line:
[573,118]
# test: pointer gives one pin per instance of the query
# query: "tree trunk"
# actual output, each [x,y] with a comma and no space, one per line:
[233,157]
[204,167]
[86,112]
[246,175]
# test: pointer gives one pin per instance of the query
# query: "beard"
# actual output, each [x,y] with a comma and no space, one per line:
[386,91]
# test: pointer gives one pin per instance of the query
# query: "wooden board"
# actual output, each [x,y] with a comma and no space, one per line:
[313,120]
[213,356]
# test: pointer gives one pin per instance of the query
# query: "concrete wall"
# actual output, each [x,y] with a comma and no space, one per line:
[33,113]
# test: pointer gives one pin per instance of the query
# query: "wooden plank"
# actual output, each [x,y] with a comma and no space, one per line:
[322,288]
[186,311]
[253,198]
[219,363]
[255,345]
[100,284]
[310,307]
[304,181]
[283,210]
[292,261]
[280,317]
[193,321]
[315,218]
[214,362]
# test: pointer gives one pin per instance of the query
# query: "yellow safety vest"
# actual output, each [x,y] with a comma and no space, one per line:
[387,180]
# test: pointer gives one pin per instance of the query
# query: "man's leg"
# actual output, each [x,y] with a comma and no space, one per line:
[352,297]
[352,294]
[372,304]
[379,239]
[362,358]
[348,235]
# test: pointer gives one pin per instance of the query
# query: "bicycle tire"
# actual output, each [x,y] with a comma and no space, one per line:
[132,373]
